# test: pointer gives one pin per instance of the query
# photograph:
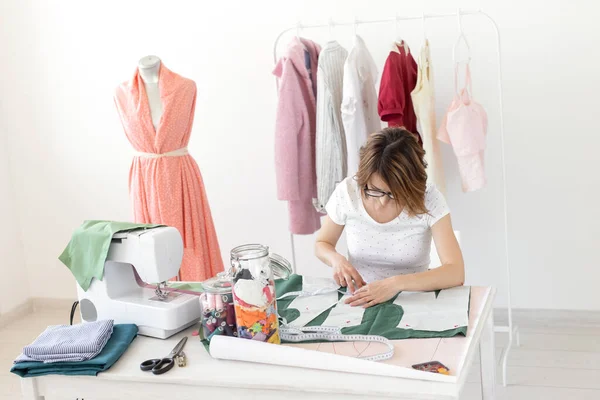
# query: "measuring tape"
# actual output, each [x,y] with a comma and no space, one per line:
[334,334]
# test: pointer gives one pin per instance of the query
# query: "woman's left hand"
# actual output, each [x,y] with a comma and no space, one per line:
[374,293]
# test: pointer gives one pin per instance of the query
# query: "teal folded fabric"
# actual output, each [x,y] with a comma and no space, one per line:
[86,252]
[122,336]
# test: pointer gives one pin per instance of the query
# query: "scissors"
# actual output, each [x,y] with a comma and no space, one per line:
[161,365]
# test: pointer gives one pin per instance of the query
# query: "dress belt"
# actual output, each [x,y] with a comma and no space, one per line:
[175,153]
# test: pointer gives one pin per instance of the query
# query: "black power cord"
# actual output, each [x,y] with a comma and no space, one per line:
[73,308]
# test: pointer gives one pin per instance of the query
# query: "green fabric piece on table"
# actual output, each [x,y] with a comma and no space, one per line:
[86,252]
[283,286]
[121,338]
[191,286]
[380,320]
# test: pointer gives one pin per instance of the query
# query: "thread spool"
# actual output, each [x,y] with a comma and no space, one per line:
[210,327]
[219,322]
[218,331]
[210,301]
[228,330]
[219,302]
[230,314]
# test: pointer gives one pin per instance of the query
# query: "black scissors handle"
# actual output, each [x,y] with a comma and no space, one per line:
[157,366]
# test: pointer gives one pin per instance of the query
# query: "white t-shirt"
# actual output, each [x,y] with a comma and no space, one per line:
[376,250]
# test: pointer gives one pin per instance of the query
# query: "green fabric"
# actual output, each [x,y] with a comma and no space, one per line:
[86,252]
[191,286]
[381,319]
[121,338]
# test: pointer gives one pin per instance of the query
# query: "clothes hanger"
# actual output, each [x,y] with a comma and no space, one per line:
[425,43]
[399,40]
[423,24]
[298,37]
[461,37]
[331,26]
[355,26]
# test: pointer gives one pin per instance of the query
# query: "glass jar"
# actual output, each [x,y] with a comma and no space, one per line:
[254,291]
[218,313]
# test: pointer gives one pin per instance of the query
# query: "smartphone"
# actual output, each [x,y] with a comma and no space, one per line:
[432,366]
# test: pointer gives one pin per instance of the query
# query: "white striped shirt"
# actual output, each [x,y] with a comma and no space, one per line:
[60,343]
[331,150]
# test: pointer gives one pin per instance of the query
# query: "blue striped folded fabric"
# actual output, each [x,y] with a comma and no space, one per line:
[61,343]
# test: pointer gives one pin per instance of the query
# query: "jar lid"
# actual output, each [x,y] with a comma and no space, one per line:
[219,284]
[281,267]
[249,252]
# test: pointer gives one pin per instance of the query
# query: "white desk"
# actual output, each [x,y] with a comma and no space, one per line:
[207,378]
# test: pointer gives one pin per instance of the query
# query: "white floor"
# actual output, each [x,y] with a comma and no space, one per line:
[553,363]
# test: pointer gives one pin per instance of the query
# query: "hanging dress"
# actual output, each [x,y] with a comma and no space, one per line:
[423,99]
[165,183]
[464,127]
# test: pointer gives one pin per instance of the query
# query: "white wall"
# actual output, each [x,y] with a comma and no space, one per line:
[70,158]
[15,288]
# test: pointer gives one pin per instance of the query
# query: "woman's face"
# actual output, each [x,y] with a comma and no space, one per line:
[377,186]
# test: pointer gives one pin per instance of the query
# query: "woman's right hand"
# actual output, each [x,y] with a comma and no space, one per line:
[346,275]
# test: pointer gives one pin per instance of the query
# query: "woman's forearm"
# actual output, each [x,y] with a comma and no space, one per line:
[446,276]
[326,252]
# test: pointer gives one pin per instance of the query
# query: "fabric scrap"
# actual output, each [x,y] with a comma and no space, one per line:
[311,307]
[87,250]
[344,315]
[428,312]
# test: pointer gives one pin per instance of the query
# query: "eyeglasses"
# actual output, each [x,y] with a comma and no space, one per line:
[377,193]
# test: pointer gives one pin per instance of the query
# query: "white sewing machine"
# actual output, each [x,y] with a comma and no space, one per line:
[156,255]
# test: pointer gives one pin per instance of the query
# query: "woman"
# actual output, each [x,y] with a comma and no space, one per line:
[390,213]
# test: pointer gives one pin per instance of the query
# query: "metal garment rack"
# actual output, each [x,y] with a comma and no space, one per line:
[512,330]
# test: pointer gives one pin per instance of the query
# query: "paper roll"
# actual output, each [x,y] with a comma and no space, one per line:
[231,348]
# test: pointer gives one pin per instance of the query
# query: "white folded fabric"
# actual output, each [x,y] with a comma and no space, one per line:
[60,343]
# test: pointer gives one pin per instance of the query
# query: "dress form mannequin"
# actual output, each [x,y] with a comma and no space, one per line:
[149,68]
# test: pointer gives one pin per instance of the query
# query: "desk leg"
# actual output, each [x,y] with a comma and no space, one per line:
[487,359]
[29,389]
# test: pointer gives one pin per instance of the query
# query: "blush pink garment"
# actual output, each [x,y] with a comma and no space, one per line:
[295,131]
[169,190]
[464,127]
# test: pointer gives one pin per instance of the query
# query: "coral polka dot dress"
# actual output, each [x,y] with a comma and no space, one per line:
[165,183]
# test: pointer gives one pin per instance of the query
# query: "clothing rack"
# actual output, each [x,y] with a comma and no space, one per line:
[511,329]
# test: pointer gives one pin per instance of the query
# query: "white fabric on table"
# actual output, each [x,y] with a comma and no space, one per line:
[424,312]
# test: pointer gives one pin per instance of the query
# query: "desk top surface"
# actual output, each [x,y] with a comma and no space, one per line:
[203,370]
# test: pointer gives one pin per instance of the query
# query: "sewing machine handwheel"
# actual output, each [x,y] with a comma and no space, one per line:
[149,364]
[163,366]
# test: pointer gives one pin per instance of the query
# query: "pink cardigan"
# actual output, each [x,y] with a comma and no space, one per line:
[295,134]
